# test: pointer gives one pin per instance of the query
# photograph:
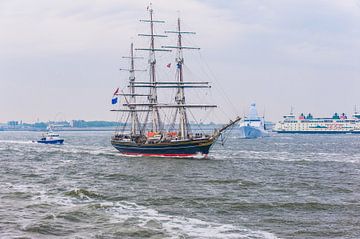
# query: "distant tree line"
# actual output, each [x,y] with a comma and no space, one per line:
[85,124]
[62,124]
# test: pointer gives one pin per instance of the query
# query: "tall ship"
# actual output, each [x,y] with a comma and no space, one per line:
[157,129]
[252,126]
[337,124]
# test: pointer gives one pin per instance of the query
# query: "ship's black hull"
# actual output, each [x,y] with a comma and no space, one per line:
[191,148]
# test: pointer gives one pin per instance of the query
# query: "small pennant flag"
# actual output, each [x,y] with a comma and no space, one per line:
[116,91]
[168,65]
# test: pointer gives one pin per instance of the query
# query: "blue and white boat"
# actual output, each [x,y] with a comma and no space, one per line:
[50,138]
[252,126]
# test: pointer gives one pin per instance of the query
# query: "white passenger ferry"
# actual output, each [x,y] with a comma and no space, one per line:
[337,124]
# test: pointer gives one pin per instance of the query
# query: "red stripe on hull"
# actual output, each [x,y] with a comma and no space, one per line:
[167,155]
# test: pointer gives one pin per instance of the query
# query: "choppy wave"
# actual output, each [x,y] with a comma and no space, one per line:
[176,226]
[150,220]
[289,156]
[17,142]
[83,207]
[83,194]
[34,147]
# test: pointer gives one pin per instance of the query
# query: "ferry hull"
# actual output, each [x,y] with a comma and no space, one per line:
[183,149]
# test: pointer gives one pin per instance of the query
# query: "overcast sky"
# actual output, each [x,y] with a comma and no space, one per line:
[59,60]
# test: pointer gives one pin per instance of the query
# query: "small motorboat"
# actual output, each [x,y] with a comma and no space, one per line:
[50,138]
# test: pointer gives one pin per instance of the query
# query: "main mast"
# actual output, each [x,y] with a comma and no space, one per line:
[153,100]
[153,92]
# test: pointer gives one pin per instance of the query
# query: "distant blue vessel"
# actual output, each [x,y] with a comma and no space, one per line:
[50,138]
[252,126]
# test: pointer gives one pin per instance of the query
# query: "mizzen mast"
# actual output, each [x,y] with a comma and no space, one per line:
[180,96]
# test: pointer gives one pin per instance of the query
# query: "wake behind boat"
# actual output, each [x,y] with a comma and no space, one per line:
[252,126]
[149,134]
[50,138]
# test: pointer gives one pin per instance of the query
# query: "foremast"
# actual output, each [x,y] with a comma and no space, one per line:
[135,125]
[134,118]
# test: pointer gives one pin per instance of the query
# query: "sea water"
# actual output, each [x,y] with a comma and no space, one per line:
[284,186]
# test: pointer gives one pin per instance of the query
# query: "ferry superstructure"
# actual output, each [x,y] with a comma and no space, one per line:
[337,124]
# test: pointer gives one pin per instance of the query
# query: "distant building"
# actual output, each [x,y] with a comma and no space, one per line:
[59,124]
[13,123]
[78,123]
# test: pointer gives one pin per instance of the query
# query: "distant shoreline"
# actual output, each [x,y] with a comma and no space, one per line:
[74,129]
[58,130]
